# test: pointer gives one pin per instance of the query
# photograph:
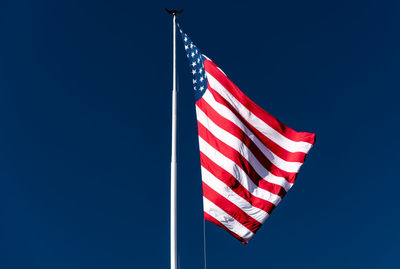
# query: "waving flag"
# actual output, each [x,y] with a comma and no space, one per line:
[249,159]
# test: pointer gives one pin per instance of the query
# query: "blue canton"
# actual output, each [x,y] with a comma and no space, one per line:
[196,61]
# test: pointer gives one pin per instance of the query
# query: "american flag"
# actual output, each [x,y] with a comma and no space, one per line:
[249,159]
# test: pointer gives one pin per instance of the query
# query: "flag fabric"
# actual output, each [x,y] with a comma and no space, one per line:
[249,159]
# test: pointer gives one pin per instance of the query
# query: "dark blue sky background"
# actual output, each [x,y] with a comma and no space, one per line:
[85,90]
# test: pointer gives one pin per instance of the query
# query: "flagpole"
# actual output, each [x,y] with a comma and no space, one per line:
[173,219]
[173,215]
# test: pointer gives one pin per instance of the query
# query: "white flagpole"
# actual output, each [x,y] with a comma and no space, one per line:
[173,217]
[173,220]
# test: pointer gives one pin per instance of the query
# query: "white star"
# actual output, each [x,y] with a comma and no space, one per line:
[185,39]
[198,60]
[194,81]
[200,70]
[186,47]
[195,88]
[193,71]
[196,51]
[201,88]
[201,79]
[191,45]
[194,63]
[192,54]
[187,55]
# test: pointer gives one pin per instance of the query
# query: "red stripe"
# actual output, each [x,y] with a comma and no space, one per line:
[233,129]
[231,209]
[215,221]
[234,184]
[291,134]
[238,159]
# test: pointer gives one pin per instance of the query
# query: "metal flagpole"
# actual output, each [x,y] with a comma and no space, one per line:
[173,157]
[173,218]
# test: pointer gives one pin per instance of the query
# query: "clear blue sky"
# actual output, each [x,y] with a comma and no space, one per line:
[85,90]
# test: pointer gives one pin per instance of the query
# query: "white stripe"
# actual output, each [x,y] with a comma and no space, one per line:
[226,220]
[260,125]
[233,169]
[239,146]
[225,191]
